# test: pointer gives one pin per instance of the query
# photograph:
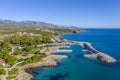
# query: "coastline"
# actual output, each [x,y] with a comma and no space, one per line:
[49,61]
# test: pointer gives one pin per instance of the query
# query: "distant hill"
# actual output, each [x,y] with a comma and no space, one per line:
[27,24]
[10,26]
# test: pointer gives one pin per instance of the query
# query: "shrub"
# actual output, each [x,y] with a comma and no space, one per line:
[13,71]
[10,77]
[2,72]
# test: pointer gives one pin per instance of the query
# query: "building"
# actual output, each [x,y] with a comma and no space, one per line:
[17,34]
[47,30]
[2,62]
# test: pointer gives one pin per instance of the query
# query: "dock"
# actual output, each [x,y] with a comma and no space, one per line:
[63,51]
[56,49]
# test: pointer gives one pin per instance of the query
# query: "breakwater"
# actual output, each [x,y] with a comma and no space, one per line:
[94,53]
[97,54]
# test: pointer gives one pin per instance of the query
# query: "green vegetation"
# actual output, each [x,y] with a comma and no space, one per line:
[10,77]
[11,59]
[35,58]
[27,44]
[13,71]
[6,30]
[30,40]
[18,52]
[4,43]
[2,72]
[28,48]
[59,31]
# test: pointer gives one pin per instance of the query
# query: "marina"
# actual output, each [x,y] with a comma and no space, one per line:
[94,53]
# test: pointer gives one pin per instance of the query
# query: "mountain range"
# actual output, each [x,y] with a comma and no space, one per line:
[29,24]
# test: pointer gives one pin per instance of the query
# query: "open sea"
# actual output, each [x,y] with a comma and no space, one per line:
[76,67]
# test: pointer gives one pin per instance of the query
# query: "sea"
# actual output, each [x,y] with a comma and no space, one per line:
[76,67]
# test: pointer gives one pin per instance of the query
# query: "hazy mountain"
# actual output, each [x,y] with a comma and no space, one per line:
[32,24]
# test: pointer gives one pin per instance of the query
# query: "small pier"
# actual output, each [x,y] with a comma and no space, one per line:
[56,49]
[57,44]
[63,51]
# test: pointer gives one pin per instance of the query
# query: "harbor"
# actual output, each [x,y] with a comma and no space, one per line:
[93,53]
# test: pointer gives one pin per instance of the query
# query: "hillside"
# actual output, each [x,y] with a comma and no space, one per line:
[10,26]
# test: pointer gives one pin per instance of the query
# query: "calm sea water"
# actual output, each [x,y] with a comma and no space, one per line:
[76,67]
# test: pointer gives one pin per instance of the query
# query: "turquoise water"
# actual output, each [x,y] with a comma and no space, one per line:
[76,67]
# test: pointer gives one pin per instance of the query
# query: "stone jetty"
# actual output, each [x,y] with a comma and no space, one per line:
[94,53]
[97,54]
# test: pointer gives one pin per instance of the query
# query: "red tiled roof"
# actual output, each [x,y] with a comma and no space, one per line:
[2,61]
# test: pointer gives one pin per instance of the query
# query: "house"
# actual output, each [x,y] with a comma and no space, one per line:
[31,34]
[47,30]
[18,34]
[2,62]
[9,35]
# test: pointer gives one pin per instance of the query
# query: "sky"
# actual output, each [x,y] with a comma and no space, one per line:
[81,13]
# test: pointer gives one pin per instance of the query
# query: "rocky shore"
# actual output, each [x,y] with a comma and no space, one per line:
[48,61]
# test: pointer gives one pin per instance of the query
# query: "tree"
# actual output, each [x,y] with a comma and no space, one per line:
[11,59]
[2,72]
[46,40]
[1,55]
[15,40]
[13,71]
[5,53]
[10,77]
[27,48]
[29,60]
[5,43]
[18,52]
